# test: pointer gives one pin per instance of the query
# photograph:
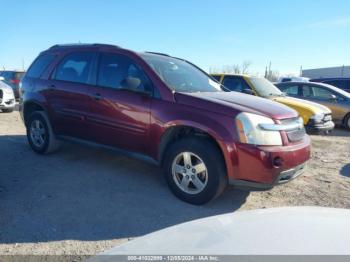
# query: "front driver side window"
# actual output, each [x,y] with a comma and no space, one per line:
[115,70]
[235,83]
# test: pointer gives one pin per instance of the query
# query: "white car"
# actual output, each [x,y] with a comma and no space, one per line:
[7,97]
[276,231]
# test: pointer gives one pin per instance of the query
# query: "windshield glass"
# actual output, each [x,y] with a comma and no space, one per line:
[264,87]
[180,75]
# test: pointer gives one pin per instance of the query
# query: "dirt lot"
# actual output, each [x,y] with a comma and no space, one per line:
[83,200]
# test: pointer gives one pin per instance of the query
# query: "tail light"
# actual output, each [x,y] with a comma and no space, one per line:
[15,81]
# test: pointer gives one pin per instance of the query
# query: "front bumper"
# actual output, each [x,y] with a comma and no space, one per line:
[323,127]
[255,166]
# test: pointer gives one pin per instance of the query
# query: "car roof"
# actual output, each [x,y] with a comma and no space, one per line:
[334,88]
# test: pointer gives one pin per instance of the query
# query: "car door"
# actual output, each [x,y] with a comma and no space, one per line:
[67,93]
[120,103]
[236,83]
[326,97]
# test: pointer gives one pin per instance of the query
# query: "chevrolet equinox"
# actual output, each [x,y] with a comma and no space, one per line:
[164,109]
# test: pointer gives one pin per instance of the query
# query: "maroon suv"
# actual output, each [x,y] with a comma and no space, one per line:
[166,109]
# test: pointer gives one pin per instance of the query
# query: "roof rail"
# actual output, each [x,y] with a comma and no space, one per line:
[82,45]
[156,53]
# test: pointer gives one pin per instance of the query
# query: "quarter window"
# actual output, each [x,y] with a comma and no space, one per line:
[39,65]
[75,67]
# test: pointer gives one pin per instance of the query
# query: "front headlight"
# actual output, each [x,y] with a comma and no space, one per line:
[8,91]
[250,130]
[318,118]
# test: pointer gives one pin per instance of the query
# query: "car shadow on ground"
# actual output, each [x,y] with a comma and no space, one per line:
[345,171]
[84,193]
[340,131]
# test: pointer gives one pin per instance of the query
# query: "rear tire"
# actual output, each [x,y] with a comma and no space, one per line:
[40,136]
[347,121]
[200,181]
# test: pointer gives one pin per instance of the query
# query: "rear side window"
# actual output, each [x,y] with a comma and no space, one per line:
[75,67]
[39,65]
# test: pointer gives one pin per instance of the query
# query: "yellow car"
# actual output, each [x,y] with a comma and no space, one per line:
[317,118]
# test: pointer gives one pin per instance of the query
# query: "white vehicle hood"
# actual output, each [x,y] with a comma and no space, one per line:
[277,231]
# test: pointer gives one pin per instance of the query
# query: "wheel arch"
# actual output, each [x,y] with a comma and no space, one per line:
[175,131]
[31,106]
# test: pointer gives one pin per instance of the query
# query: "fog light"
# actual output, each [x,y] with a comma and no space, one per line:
[277,162]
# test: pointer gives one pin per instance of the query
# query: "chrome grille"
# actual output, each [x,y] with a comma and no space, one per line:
[296,134]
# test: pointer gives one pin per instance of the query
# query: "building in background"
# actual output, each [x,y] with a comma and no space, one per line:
[329,72]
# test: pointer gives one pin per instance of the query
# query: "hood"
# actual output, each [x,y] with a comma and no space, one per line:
[305,231]
[226,102]
[302,104]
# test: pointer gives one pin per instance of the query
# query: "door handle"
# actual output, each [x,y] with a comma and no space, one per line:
[96,96]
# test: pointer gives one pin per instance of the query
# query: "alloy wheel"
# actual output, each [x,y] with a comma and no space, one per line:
[37,133]
[189,173]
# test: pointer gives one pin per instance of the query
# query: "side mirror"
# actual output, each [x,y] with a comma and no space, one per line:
[2,78]
[248,91]
[131,83]
[333,98]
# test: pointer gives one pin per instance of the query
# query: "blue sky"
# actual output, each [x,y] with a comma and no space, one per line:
[209,33]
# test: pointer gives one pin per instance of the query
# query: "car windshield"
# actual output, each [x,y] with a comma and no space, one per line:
[265,88]
[180,75]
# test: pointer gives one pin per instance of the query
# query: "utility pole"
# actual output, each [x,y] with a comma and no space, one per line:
[301,71]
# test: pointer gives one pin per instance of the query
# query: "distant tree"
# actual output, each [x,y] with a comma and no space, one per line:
[272,76]
[229,69]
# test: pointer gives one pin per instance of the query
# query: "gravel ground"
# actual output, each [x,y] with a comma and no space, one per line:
[83,200]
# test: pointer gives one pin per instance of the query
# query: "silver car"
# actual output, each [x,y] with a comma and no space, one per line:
[7,98]
[337,100]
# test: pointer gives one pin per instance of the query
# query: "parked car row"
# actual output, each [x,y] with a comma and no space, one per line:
[334,98]
[316,118]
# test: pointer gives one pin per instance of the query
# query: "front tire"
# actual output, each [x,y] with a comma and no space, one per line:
[40,136]
[195,170]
